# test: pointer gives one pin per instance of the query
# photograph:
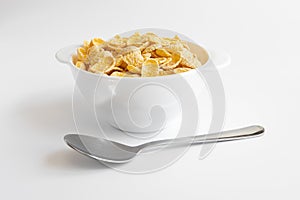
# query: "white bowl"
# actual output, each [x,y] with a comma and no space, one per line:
[136,104]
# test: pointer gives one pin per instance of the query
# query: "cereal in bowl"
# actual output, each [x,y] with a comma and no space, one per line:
[140,55]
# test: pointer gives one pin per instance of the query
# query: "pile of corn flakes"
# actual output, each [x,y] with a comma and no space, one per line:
[139,55]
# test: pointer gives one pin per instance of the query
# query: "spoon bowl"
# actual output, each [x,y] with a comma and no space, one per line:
[101,149]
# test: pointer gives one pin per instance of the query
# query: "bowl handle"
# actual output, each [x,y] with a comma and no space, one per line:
[64,55]
[219,58]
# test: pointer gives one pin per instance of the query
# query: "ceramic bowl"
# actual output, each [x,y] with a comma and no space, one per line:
[141,104]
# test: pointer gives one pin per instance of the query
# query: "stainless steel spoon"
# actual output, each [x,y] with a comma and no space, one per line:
[114,152]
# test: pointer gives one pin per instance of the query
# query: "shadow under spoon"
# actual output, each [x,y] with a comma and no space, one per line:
[115,152]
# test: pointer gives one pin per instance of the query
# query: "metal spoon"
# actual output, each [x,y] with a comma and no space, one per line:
[114,152]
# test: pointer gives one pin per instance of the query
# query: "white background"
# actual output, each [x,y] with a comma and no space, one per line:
[261,85]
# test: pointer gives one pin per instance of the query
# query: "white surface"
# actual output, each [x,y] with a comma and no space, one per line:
[261,85]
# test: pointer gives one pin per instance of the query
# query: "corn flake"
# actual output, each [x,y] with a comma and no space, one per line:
[150,68]
[133,69]
[181,70]
[189,60]
[134,58]
[116,73]
[174,62]
[106,62]
[80,65]
[162,53]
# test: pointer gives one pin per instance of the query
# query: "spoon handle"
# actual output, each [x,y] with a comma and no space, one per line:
[230,135]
